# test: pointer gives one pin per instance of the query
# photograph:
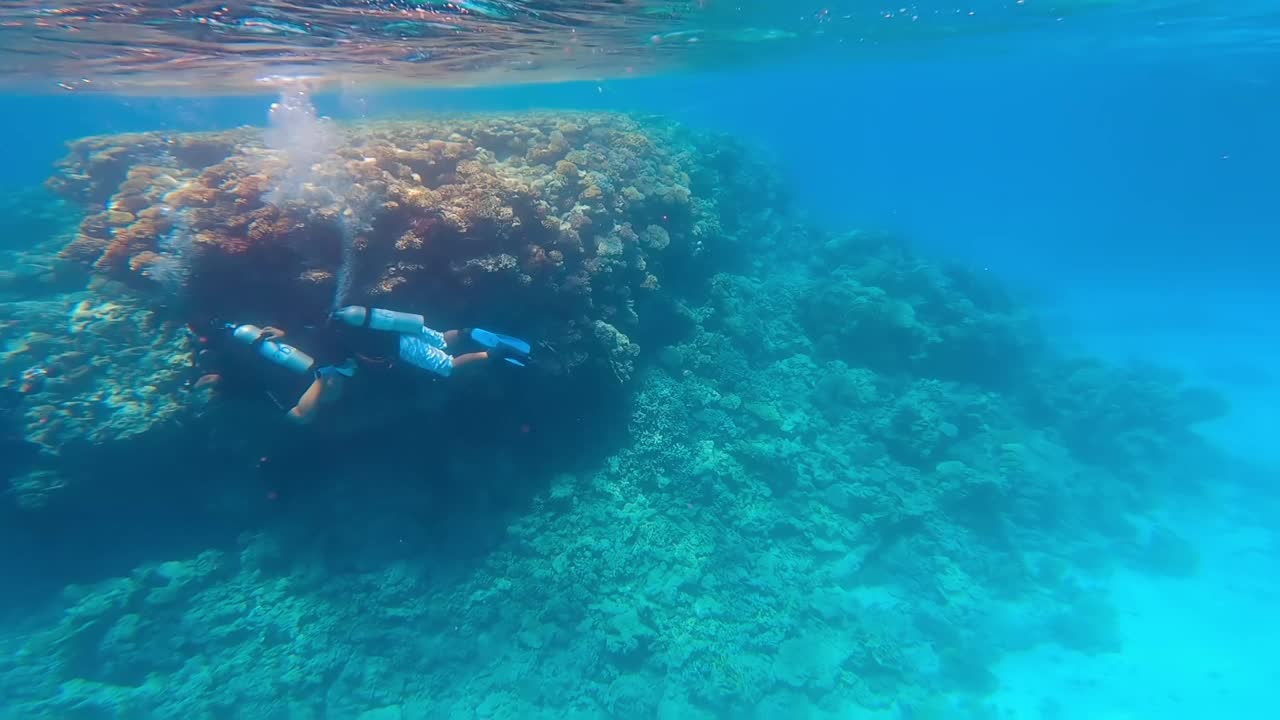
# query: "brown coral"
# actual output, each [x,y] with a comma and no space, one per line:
[469,218]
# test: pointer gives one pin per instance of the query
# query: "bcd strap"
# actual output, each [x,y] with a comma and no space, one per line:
[275,400]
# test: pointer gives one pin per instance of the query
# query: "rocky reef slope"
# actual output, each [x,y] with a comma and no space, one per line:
[561,228]
[850,477]
[558,225]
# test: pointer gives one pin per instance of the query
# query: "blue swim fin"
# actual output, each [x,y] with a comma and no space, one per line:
[504,345]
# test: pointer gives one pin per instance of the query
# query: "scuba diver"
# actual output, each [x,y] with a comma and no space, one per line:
[247,357]
[300,382]
[407,337]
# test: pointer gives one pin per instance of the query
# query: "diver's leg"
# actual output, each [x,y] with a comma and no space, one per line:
[512,349]
[418,351]
[207,380]
[469,358]
[433,337]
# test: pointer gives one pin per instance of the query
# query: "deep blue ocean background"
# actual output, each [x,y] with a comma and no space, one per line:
[1132,203]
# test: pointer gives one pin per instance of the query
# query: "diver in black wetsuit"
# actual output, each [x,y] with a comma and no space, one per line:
[247,359]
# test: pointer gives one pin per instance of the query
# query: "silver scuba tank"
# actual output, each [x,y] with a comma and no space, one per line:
[286,356]
[380,319]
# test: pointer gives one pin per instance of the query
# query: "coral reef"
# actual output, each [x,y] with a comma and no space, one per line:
[851,477]
[34,222]
[110,380]
[558,226]
[97,370]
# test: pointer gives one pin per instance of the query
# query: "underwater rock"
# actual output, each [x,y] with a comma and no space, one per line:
[557,227]
[492,218]
[112,372]
[852,476]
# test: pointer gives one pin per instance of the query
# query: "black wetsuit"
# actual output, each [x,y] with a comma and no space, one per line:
[245,371]
[370,347]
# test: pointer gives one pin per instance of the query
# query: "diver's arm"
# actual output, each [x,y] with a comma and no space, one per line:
[305,411]
[326,388]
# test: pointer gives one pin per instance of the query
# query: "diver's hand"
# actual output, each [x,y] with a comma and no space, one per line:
[208,380]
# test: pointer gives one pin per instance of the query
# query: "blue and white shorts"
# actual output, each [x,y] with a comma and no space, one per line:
[426,350]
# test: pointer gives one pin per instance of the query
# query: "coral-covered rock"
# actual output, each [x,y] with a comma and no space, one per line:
[111,373]
[575,231]
[545,224]
[852,477]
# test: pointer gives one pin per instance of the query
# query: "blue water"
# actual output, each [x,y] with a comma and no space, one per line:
[1130,203]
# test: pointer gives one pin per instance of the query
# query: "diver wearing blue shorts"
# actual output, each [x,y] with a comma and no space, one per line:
[425,348]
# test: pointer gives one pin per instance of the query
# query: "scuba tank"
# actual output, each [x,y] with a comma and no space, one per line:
[286,356]
[379,319]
